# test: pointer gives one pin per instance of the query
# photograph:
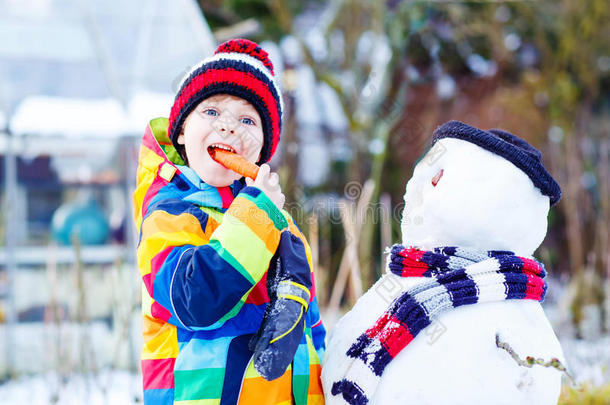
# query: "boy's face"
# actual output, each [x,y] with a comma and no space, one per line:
[223,120]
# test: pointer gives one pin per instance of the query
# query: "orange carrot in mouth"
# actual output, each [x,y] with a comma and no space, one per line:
[235,162]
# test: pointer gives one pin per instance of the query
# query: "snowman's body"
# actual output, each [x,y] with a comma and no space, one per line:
[480,201]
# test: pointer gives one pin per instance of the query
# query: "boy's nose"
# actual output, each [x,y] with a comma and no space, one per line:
[226,124]
[224,127]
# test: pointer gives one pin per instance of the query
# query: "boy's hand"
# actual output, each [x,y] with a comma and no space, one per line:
[288,286]
[268,183]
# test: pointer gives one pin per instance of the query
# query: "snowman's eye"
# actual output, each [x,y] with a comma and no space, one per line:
[436,178]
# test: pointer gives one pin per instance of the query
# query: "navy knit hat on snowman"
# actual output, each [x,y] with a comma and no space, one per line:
[512,148]
[241,68]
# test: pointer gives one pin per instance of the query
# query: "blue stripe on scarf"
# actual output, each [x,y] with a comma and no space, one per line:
[462,288]
[351,392]
[515,282]
[435,261]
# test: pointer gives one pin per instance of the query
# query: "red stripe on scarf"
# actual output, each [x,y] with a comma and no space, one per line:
[379,324]
[395,337]
[531,266]
[412,264]
[535,287]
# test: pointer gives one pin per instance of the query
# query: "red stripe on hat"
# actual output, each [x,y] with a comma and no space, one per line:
[246,47]
[231,76]
[158,373]
[234,77]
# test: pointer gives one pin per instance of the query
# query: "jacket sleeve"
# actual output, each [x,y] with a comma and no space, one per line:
[318,332]
[196,279]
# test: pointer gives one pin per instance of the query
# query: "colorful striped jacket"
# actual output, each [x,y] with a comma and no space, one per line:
[204,290]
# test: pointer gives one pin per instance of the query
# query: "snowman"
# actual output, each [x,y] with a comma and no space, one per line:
[456,319]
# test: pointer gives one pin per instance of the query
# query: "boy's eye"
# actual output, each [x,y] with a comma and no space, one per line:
[247,121]
[210,111]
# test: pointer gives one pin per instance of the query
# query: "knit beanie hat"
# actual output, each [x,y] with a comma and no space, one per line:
[241,68]
[514,149]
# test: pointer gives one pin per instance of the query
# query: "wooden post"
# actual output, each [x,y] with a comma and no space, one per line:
[353,216]
[320,277]
[385,217]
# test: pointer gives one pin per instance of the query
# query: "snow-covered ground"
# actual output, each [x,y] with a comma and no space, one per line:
[107,387]
[39,345]
[588,361]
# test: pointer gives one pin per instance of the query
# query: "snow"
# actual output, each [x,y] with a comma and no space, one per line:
[71,117]
[457,352]
[483,202]
[114,387]
[446,349]
[445,87]
[588,360]
[334,116]
[37,347]
[146,105]
[275,55]
[88,118]
[479,185]
[313,148]
[315,41]
[480,66]
[308,111]
[55,41]
[2,120]
[291,49]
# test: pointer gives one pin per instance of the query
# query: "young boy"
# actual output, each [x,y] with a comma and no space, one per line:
[207,242]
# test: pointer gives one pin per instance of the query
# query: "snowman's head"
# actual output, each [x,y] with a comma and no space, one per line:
[485,190]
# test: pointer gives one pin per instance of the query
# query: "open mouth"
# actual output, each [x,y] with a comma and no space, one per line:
[228,157]
[220,146]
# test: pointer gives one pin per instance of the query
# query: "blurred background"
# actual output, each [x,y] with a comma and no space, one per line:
[364,82]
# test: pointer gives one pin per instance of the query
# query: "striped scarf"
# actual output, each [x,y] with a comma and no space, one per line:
[454,277]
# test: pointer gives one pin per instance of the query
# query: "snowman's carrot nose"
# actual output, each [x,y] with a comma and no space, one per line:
[235,162]
[436,178]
